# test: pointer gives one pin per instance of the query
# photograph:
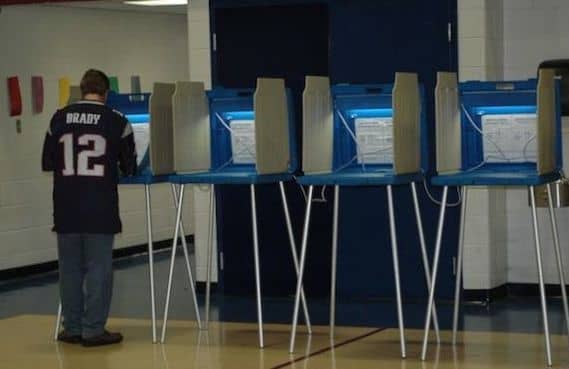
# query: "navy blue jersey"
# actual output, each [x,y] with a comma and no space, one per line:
[85,145]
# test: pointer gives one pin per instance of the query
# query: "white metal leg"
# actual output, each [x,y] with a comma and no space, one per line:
[434,273]
[424,254]
[558,256]
[459,264]
[257,267]
[294,255]
[57,322]
[302,264]
[209,265]
[540,276]
[150,259]
[393,233]
[172,261]
[187,260]
[334,260]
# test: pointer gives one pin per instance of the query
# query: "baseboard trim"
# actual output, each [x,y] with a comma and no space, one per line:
[201,287]
[532,289]
[50,266]
[512,290]
[486,295]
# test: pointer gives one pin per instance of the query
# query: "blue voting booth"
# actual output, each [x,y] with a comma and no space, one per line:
[493,115]
[497,134]
[150,115]
[233,137]
[363,135]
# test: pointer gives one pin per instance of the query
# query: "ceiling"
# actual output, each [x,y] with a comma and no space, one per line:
[114,5]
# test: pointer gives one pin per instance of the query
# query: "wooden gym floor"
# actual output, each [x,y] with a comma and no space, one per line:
[26,344]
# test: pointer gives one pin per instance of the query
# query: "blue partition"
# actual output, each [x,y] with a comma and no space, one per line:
[135,107]
[230,105]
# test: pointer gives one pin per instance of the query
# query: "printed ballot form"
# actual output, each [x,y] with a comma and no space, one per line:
[141,140]
[509,138]
[243,141]
[375,140]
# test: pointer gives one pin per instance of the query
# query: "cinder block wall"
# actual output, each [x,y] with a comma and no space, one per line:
[32,45]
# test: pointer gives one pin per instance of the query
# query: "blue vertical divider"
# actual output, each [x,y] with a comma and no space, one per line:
[136,109]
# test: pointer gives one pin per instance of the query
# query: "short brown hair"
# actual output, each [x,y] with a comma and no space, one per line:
[94,82]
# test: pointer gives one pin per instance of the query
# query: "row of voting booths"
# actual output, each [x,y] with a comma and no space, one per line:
[487,134]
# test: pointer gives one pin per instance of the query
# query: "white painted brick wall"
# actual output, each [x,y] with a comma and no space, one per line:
[480,48]
[534,30]
[55,42]
[514,39]
[200,70]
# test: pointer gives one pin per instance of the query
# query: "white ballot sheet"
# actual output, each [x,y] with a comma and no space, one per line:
[141,139]
[375,140]
[509,138]
[243,141]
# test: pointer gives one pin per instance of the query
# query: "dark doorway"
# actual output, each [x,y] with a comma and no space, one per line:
[371,40]
[290,42]
[355,41]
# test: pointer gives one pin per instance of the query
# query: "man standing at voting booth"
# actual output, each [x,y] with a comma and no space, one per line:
[84,143]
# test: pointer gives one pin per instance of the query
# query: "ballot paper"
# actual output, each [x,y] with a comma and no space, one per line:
[509,138]
[243,141]
[375,140]
[141,140]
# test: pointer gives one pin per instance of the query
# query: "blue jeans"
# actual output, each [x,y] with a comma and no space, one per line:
[85,281]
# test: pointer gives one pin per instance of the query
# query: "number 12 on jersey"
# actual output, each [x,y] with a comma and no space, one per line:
[91,146]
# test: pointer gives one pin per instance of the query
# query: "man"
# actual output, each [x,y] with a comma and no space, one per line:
[82,147]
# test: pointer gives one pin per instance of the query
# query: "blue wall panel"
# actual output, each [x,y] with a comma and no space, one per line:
[366,41]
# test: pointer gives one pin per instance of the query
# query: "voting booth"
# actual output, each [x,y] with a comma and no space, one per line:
[353,129]
[497,134]
[150,115]
[498,127]
[233,137]
[233,134]
[152,119]
[363,135]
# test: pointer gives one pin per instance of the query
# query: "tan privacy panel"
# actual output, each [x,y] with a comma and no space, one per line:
[271,126]
[74,94]
[317,126]
[448,128]
[546,121]
[191,129]
[406,124]
[161,130]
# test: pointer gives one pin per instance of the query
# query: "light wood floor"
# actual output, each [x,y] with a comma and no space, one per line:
[25,343]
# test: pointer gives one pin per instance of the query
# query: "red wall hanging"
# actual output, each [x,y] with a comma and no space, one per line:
[15,96]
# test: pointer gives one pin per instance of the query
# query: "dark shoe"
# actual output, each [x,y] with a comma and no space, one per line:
[69,338]
[107,338]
